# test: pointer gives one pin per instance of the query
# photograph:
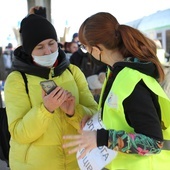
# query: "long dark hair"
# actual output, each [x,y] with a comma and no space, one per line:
[103,28]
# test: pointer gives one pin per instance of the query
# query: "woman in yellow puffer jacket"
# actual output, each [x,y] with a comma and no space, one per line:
[37,121]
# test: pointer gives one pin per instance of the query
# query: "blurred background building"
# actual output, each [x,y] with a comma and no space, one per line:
[157,27]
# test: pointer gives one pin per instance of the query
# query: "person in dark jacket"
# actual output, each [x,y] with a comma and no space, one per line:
[88,66]
[85,62]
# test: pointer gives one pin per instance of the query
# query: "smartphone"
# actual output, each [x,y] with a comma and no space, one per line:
[48,86]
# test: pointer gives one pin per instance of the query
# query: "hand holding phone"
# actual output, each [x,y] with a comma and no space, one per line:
[65,100]
[48,86]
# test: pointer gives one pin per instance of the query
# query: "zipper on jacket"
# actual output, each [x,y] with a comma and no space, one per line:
[52,72]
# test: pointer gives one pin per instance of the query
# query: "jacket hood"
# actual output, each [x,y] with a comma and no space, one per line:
[147,68]
[23,62]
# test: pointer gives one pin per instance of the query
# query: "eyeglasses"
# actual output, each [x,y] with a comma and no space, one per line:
[83,48]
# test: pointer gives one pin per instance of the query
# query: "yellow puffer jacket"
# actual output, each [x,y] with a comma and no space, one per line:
[36,134]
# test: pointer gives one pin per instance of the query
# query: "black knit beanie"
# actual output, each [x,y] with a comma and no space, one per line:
[35,29]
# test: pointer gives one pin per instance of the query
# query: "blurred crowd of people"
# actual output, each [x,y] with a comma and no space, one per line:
[6,57]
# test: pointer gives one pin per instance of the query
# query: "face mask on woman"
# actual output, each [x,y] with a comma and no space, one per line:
[46,60]
[95,61]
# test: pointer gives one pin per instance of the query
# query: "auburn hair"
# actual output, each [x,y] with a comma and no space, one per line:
[103,28]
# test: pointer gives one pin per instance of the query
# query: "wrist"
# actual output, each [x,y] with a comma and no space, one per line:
[51,111]
[70,115]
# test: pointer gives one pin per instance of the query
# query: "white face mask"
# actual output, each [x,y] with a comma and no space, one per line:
[46,60]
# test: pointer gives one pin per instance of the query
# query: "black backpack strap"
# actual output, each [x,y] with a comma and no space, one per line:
[4,133]
[25,80]
[69,70]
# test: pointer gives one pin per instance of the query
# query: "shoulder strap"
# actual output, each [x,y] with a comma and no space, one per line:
[69,70]
[25,81]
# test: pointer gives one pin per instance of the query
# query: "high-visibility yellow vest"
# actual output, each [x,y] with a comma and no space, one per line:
[114,118]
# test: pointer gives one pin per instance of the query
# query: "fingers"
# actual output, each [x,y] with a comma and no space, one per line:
[72,137]
[81,148]
[73,150]
[69,95]
[76,140]
[57,91]
[75,143]
[43,93]
[79,143]
[72,144]
[59,95]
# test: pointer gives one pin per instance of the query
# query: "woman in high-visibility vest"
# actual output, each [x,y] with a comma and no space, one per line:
[134,108]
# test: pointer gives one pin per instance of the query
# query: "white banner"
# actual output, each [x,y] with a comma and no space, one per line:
[99,157]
